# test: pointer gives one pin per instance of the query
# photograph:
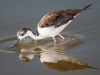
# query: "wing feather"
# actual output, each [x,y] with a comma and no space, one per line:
[59,17]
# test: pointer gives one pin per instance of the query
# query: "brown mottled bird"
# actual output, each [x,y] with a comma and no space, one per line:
[51,24]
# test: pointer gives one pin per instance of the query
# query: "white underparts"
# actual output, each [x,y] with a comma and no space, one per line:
[52,31]
[44,32]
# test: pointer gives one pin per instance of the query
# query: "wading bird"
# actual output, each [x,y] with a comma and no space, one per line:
[51,24]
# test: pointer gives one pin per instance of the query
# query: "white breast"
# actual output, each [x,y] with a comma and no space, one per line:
[52,31]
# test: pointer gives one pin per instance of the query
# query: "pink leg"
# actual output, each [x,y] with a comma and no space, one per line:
[63,38]
[54,40]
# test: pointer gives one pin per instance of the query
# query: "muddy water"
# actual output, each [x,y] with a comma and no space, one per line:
[78,55]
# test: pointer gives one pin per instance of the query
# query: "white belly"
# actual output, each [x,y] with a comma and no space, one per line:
[51,31]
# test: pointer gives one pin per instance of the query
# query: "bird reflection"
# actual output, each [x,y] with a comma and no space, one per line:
[53,57]
[26,55]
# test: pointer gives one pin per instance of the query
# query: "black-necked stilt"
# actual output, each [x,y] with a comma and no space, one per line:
[51,24]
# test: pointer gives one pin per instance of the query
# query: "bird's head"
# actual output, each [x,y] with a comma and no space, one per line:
[25,32]
[26,56]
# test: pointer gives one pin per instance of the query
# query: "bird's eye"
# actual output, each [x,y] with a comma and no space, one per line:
[21,34]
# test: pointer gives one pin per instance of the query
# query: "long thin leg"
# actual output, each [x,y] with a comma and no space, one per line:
[54,40]
[63,38]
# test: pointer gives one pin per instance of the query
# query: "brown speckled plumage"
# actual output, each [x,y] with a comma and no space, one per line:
[59,17]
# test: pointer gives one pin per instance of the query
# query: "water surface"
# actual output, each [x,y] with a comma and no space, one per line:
[78,55]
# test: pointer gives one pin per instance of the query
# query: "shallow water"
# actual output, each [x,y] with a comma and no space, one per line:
[78,55]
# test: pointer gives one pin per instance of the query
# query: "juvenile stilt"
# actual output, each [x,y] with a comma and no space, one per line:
[53,23]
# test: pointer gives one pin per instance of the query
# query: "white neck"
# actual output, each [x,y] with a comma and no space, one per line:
[34,35]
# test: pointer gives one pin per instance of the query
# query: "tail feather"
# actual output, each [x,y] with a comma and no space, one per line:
[77,11]
[87,6]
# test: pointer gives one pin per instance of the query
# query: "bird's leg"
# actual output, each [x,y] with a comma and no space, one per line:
[54,39]
[63,38]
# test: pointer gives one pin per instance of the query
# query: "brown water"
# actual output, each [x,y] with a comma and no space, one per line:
[78,55]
